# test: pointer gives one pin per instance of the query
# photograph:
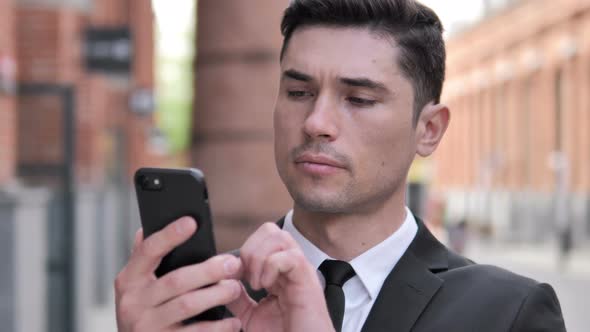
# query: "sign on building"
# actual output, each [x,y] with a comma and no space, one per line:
[108,50]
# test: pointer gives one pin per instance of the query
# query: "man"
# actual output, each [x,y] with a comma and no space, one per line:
[358,99]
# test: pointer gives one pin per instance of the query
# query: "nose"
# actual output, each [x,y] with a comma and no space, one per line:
[323,120]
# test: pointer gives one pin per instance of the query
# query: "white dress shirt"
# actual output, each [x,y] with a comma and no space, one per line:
[371,267]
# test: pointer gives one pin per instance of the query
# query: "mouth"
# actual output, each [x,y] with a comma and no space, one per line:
[318,165]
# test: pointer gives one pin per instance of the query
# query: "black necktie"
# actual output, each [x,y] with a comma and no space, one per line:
[336,274]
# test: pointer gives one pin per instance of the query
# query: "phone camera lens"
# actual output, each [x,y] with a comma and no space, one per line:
[150,183]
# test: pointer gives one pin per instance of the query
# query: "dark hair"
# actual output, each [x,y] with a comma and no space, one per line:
[416,29]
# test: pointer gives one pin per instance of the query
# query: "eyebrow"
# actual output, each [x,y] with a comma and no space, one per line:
[361,82]
[297,75]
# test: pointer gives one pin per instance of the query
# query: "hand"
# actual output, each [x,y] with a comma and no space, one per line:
[295,301]
[145,303]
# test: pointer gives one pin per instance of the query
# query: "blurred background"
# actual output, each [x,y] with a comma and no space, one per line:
[92,90]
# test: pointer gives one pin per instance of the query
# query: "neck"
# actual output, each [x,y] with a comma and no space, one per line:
[345,236]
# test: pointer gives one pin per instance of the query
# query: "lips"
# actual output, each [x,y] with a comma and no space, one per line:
[318,165]
[319,160]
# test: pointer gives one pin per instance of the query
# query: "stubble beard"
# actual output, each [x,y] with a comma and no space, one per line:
[331,203]
[351,199]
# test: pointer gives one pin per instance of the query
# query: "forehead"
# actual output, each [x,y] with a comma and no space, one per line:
[320,50]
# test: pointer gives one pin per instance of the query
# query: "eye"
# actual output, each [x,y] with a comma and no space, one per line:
[361,102]
[299,94]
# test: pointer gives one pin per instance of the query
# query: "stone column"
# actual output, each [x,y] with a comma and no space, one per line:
[237,75]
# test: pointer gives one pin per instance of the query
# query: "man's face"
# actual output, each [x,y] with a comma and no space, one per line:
[344,138]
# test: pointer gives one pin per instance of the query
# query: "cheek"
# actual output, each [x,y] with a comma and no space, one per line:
[279,131]
[280,118]
[387,148]
[284,128]
[288,121]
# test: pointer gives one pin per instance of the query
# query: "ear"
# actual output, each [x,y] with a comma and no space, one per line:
[431,127]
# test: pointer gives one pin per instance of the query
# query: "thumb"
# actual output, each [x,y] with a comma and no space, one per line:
[243,306]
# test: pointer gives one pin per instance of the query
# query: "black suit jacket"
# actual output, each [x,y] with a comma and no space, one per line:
[433,289]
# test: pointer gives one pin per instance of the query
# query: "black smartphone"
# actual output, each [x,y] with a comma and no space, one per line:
[164,195]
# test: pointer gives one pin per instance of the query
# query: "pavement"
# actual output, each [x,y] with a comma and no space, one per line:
[542,256]
[101,319]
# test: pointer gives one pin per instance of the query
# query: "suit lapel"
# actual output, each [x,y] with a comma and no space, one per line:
[281,222]
[410,286]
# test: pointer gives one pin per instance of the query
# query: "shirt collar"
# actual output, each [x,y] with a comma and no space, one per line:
[313,254]
[372,266]
[375,264]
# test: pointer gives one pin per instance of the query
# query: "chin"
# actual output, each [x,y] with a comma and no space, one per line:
[320,207]
[320,202]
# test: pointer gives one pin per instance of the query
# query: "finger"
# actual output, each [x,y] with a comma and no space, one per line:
[250,246]
[259,245]
[224,325]
[193,277]
[258,237]
[120,280]
[153,248]
[280,263]
[191,304]
[288,266]
[274,242]
[242,306]
[137,240]
[254,257]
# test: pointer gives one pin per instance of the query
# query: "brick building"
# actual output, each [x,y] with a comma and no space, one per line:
[7,100]
[50,38]
[111,138]
[516,158]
